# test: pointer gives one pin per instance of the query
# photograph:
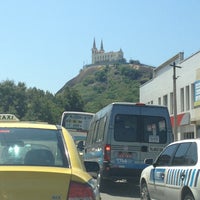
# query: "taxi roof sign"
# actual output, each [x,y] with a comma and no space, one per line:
[8,118]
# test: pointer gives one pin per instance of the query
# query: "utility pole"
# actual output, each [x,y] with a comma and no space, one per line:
[175,101]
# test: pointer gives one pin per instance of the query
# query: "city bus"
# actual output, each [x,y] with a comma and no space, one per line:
[77,123]
[122,135]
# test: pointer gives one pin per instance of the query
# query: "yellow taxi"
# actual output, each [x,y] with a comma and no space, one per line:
[40,161]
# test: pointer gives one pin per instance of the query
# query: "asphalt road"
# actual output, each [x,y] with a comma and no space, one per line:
[121,191]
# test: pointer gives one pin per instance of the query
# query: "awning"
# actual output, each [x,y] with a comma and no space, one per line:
[182,119]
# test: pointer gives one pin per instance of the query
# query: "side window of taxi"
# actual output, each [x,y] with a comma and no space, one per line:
[185,155]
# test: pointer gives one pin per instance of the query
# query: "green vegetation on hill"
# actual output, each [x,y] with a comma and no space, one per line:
[92,89]
[101,85]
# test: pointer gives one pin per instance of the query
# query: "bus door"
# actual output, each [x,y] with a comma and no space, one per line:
[154,136]
[126,146]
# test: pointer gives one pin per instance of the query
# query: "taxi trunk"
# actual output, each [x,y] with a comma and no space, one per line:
[22,183]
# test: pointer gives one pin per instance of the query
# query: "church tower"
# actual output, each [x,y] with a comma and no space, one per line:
[101,48]
[94,51]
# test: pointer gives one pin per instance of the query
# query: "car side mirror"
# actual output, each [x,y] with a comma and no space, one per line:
[92,168]
[80,146]
[155,164]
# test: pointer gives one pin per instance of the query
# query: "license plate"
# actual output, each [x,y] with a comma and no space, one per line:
[125,155]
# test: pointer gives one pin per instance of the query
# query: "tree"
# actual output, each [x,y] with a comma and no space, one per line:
[12,97]
[70,100]
[33,104]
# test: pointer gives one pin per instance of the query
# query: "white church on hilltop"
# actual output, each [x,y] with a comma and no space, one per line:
[101,57]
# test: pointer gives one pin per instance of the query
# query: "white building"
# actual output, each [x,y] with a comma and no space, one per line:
[160,90]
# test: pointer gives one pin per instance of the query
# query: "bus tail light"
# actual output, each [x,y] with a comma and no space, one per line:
[107,152]
[80,191]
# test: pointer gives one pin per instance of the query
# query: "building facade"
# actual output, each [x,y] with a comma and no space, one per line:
[101,57]
[176,84]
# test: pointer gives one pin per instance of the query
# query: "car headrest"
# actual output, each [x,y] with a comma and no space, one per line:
[39,157]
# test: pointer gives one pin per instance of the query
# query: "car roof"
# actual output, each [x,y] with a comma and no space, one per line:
[8,120]
[186,140]
[27,124]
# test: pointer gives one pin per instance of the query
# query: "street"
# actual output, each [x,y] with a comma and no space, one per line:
[121,191]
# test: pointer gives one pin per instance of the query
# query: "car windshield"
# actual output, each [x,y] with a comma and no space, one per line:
[26,146]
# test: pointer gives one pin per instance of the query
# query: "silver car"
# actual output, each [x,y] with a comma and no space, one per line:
[175,174]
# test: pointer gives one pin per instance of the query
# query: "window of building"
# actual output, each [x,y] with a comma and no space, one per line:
[171,103]
[188,135]
[182,99]
[159,101]
[192,95]
[187,90]
[165,102]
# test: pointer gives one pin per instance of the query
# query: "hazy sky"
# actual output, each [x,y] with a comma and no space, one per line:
[45,43]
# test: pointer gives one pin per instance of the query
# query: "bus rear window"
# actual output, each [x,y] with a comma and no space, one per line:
[155,129]
[139,128]
[125,128]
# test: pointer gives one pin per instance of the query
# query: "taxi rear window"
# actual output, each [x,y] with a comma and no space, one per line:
[35,147]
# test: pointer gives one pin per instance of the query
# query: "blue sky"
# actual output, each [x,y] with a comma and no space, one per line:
[45,43]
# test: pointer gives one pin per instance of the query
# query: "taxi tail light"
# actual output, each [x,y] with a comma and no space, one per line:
[107,152]
[80,191]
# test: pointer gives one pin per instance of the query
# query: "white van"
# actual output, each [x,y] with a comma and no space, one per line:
[122,135]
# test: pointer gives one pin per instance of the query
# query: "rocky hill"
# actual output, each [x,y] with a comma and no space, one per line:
[102,84]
